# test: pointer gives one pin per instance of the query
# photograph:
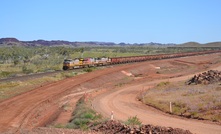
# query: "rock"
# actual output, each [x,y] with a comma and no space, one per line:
[209,77]
[116,127]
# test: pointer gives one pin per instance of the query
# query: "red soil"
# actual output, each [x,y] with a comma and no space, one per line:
[43,105]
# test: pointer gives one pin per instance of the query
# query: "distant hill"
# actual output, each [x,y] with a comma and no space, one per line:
[16,42]
[189,44]
[213,44]
[10,41]
[196,44]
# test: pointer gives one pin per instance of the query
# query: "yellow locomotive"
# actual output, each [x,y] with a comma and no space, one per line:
[85,62]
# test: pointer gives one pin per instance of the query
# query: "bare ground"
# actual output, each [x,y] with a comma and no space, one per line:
[123,102]
[43,105]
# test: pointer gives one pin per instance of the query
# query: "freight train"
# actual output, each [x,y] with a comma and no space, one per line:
[85,62]
[91,62]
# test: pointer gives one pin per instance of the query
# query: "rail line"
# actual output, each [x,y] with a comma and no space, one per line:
[114,61]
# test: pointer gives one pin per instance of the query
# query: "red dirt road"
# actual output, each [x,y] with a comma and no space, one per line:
[42,105]
[124,104]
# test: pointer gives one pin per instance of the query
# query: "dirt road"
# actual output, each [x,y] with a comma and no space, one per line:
[124,104]
[42,105]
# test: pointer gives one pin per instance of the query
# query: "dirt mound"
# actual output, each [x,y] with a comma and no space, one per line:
[115,127]
[209,77]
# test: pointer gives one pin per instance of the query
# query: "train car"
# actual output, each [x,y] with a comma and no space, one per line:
[102,61]
[115,60]
[71,64]
[88,62]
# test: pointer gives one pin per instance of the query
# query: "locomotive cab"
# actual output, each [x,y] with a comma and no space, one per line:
[67,64]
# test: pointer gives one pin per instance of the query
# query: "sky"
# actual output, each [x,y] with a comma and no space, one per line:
[128,21]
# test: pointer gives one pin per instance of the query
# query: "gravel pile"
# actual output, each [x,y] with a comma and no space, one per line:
[209,77]
[115,127]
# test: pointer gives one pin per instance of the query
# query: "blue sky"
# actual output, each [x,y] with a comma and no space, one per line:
[129,21]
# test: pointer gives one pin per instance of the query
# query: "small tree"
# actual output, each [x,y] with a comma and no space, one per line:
[16,61]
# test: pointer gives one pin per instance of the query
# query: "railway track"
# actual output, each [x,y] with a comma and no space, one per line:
[120,60]
[29,76]
[38,75]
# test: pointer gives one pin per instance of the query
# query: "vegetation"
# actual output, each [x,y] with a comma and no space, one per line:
[84,117]
[19,60]
[24,60]
[89,69]
[162,84]
[10,89]
[195,101]
[132,121]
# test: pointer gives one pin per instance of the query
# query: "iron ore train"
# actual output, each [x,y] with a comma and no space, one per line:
[91,62]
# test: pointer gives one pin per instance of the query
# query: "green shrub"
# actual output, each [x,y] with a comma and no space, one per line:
[88,69]
[179,108]
[5,74]
[84,117]
[26,70]
[133,121]
[88,116]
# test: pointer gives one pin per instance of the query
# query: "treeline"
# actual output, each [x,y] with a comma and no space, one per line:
[24,55]
[19,60]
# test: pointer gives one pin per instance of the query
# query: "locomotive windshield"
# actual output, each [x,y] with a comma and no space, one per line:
[67,61]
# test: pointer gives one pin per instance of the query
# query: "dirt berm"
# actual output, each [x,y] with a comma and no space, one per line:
[116,127]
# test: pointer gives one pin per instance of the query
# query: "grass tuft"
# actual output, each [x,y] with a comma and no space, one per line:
[133,121]
[162,84]
[84,117]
